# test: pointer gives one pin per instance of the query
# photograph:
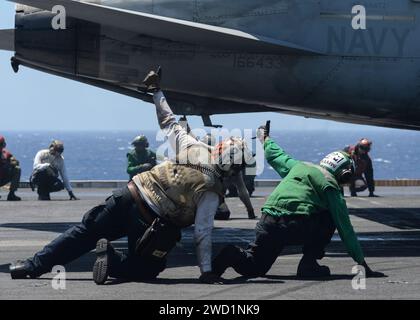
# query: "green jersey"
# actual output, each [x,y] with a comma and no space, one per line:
[139,162]
[307,189]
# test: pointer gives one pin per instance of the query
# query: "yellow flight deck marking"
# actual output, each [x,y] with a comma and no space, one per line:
[331,15]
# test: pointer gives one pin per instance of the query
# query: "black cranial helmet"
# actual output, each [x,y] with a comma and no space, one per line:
[140,141]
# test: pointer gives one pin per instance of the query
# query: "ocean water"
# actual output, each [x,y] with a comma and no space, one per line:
[102,155]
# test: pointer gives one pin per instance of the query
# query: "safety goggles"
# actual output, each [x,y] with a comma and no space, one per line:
[365,148]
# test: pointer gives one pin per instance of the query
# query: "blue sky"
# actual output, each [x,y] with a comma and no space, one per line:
[31,100]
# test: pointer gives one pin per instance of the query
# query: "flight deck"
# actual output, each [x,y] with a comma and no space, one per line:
[388,228]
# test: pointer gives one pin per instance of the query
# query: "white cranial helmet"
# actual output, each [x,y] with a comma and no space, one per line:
[231,155]
[340,165]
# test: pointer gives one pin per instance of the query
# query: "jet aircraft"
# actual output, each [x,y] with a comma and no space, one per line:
[301,57]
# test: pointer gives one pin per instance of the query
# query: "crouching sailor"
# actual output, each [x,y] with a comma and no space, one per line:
[151,210]
[305,209]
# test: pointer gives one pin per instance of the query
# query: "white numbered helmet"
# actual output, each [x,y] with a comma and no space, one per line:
[340,165]
[232,155]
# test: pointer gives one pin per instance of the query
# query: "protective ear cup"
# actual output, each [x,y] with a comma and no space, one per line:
[346,175]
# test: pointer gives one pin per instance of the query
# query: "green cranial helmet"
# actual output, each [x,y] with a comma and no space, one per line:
[140,141]
[340,165]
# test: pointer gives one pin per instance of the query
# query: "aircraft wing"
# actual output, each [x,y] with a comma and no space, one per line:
[172,29]
[7,40]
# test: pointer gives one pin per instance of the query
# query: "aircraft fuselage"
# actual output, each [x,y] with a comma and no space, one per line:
[367,76]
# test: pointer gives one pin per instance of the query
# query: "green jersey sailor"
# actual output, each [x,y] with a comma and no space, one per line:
[305,209]
[140,159]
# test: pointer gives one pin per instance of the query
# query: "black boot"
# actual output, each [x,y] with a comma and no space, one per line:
[152,81]
[309,268]
[222,213]
[228,257]
[251,215]
[21,270]
[13,197]
[43,196]
[105,253]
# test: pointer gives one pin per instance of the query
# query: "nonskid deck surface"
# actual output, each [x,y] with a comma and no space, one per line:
[388,227]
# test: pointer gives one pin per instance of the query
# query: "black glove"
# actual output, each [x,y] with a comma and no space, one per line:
[210,278]
[152,81]
[262,133]
[372,274]
[72,196]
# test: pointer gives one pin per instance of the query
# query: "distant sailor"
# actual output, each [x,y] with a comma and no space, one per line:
[248,175]
[141,159]
[363,176]
[305,209]
[151,210]
[9,171]
[48,166]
